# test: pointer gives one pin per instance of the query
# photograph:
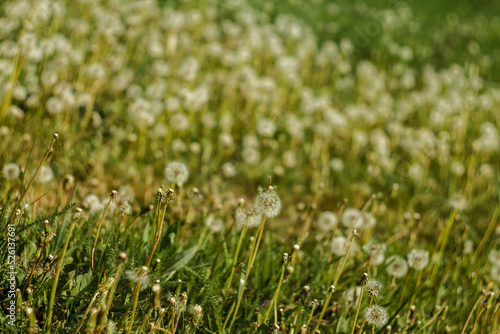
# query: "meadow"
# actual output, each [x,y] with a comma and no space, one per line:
[248,166]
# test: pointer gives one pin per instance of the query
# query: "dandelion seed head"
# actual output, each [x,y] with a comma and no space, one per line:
[267,202]
[45,174]
[327,220]
[176,172]
[352,218]
[397,266]
[11,171]
[376,252]
[494,257]
[138,276]
[196,313]
[418,259]
[376,316]
[214,224]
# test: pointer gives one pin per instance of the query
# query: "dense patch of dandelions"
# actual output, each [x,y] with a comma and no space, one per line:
[376,316]
[268,202]
[176,172]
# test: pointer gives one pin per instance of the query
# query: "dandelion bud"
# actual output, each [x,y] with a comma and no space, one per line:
[331,289]
[305,292]
[156,289]
[32,327]
[284,259]
[156,264]
[287,273]
[159,194]
[122,257]
[295,249]
[412,313]
[114,194]
[181,305]
[56,135]
[92,321]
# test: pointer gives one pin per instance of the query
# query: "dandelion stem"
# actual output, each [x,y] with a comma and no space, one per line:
[159,226]
[97,234]
[253,254]
[359,305]
[364,320]
[470,314]
[23,194]
[135,297]
[275,297]
[337,276]
[110,297]
[235,259]
[48,323]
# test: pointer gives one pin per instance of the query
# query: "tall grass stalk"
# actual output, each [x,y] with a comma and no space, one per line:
[253,254]
[48,323]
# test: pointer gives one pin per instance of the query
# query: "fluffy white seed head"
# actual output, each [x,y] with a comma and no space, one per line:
[11,171]
[268,202]
[214,224]
[397,266]
[327,221]
[352,218]
[494,257]
[248,218]
[176,172]
[376,316]
[45,174]
[418,259]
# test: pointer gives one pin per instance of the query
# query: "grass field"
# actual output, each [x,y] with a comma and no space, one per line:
[249,166]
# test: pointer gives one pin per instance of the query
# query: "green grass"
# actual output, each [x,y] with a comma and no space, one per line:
[379,143]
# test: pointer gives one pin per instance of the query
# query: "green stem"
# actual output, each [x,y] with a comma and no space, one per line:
[110,298]
[275,297]
[235,259]
[337,276]
[77,329]
[48,323]
[253,254]
[159,226]
[135,297]
[97,234]
[359,305]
